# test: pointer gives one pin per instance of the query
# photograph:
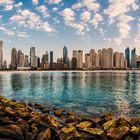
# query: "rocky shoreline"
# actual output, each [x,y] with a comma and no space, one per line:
[21,121]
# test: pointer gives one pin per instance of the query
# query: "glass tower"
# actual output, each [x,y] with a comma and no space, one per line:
[127,56]
[133,58]
[65,55]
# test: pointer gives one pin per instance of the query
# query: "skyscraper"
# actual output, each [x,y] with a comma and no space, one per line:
[51,59]
[88,64]
[14,58]
[133,58]
[1,54]
[26,61]
[20,59]
[127,56]
[65,55]
[74,54]
[116,60]
[80,59]
[32,56]
[45,60]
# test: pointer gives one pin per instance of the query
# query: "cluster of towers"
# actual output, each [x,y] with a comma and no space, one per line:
[102,59]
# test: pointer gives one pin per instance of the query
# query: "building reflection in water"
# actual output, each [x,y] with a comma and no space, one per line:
[16,82]
[1,84]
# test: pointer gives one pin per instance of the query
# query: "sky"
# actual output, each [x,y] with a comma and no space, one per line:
[48,25]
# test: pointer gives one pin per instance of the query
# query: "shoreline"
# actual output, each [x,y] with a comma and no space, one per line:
[34,121]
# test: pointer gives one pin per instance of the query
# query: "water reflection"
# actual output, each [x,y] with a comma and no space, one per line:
[16,82]
[87,92]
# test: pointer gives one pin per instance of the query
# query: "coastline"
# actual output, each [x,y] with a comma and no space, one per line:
[33,121]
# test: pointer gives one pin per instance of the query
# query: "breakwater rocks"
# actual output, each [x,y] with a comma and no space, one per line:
[21,121]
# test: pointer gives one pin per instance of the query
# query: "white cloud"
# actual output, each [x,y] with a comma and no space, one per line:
[119,7]
[47,27]
[68,15]
[19,4]
[22,34]
[85,16]
[7,4]
[124,28]
[8,32]
[35,2]
[91,5]
[96,20]
[43,10]
[77,6]
[1,17]
[53,1]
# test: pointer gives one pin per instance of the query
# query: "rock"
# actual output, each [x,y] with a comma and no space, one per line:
[135,122]
[122,122]
[71,119]
[117,133]
[71,124]
[135,130]
[58,112]
[9,110]
[45,135]
[93,131]
[108,116]
[30,136]
[34,129]
[84,124]
[108,124]
[6,121]
[68,129]
[39,106]
[11,131]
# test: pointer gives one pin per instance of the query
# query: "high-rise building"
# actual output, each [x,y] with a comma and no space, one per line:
[133,58]
[51,59]
[96,61]
[116,60]
[80,59]
[110,58]
[32,56]
[5,64]
[127,56]
[92,56]
[74,54]
[14,60]
[88,63]
[100,57]
[38,62]
[122,60]
[35,62]
[26,61]
[65,55]
[45,60]
[20,59]
[1,54]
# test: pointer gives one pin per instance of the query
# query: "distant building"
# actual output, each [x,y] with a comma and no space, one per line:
[1,54]
[116,59]
[45,60]
[5,64]
[20,59]
[74,63]
[133,58]
[122,61]
[51,60]
[65,55]
[14,59]
[32,56]
[26,61]
[80,59]
[100,57]
[92,56]
[127,56]
[88,63]
[38,62]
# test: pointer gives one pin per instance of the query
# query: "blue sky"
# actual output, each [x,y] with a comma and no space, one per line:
[78,24]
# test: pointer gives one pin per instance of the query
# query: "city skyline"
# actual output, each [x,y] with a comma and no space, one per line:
[105,58]
[80,24]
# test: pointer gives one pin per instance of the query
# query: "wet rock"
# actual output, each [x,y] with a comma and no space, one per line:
[84,124]
[135,130]
[122,122]
[117,133]
[6,121]
[135,122]
[108,124]
[45,135]
[71,124]
[11,131]
[93,131]
[34,128]
[68,130]
[58,112]
[71,119]
[39,106]
[30,136]
[9,110]
[108,116]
